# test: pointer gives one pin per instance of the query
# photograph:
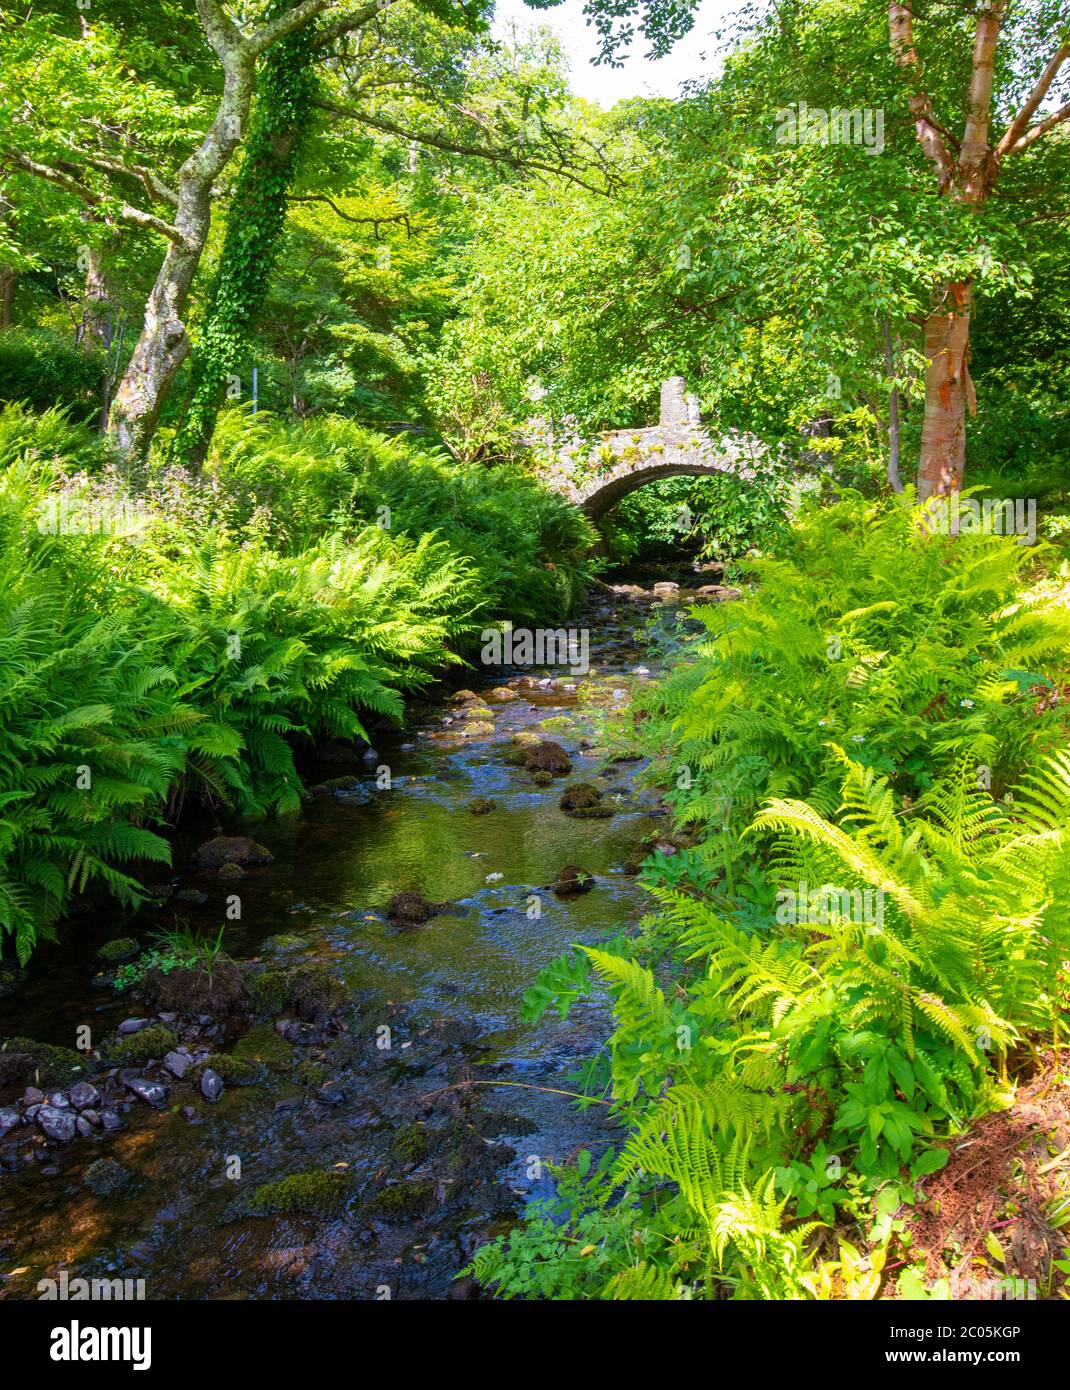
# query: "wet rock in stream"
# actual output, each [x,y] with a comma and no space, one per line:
[585,801]
[194,990]
[571,881]
[410,907]
[231,849]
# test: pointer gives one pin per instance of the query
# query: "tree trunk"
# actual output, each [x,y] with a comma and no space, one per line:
[163,345]
[161,349]
[8,277]
[894,479]
[96,327]
[968,177]
[255,220]
[948,393]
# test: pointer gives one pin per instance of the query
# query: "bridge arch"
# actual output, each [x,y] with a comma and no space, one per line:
[595,476]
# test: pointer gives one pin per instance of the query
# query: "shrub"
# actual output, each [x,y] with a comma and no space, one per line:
[41,370]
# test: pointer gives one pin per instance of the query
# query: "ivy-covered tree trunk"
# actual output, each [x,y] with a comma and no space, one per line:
[255,221]
[164,344]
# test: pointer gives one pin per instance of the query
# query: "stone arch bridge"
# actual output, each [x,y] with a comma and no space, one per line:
[596,475]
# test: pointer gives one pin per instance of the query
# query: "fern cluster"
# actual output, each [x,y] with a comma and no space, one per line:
[779,1073]
[909,651]
[248,615]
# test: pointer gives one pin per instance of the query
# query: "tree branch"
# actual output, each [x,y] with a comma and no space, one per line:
[154,186]
[219,29]
[284,24]
[494,154]
[1042,128]
[92,198]
[347,217]
[346,24]
[1018,126]
[901,29]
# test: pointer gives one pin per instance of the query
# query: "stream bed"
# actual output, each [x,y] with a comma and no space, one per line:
[411,1158]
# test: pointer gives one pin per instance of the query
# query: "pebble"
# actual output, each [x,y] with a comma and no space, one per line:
[59,1101]
[177,1063]
[55,1123]
[152,1092]
[211,1084]
[9,1118]
[32,1096]
[84,1096]
[85,1129]
[133,1025]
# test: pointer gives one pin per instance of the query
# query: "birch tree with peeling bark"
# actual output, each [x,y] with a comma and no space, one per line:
[966,170]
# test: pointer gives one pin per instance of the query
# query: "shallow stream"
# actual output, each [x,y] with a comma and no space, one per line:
[414,1119]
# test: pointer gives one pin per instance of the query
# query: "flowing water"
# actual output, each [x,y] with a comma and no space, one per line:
[397,1100]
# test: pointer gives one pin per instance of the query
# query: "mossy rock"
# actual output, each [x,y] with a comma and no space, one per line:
[479,728]
[543,779]
[411,908]
[118,949]
[402,1201]
[311,991]
[557,724]
[548,756]
[584,800]
[26,1062]
[520,746]
[154,1041]
[482,805]
[311,1073]
[234,1071]
[314,992]
[196,990]
[270,990]
[231,849]
[412,1143]
[284,944]
[572,881]
[318,1193]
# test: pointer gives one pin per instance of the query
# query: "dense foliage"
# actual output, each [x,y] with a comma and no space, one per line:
[871,921]
[186,638]
[292,297]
